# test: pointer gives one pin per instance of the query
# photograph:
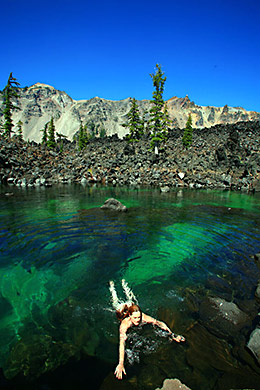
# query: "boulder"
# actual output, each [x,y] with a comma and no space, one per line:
[113,204]
[257,259]
[222,317]
[83,181]
[254,344]
[257,291]
[173,384]
[165,189]
[181,175]
[256,185]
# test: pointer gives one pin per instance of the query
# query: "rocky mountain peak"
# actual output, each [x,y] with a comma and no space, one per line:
[41,85]
[40,102]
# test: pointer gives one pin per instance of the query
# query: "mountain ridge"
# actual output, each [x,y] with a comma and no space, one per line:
[39,102]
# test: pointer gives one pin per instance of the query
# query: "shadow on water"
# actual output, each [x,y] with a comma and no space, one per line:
[181,252]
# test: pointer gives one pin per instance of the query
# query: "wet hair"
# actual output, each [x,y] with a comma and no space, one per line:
[127,311]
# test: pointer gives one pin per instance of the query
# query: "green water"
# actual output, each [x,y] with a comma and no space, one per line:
[59,251]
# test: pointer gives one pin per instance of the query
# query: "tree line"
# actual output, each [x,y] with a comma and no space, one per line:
[155,124]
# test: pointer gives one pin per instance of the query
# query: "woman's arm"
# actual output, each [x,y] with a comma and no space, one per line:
[120,369]
[163,326]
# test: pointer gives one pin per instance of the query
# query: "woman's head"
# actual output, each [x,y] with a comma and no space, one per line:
[135,314]
[133,311]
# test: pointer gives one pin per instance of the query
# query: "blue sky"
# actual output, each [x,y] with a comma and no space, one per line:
[209,50]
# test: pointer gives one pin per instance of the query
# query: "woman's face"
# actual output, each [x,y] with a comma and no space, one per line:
[136,317]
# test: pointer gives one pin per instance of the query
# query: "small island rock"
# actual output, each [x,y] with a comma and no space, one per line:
[113,204]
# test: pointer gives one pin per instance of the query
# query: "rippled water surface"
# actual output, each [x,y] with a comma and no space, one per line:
[59,250]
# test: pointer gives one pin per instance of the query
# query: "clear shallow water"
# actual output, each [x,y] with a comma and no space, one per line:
[58,249]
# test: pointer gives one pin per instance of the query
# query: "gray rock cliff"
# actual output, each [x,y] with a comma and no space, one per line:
[40,102]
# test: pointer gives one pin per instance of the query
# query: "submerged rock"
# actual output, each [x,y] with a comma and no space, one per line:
[34,356]
[113,204]
[173,384]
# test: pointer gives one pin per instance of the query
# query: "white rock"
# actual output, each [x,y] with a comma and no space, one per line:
[173,384]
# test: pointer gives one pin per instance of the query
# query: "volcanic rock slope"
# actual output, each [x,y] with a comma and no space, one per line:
[40,102]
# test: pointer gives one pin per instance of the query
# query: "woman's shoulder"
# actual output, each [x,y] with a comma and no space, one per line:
[125,323]
[148,319]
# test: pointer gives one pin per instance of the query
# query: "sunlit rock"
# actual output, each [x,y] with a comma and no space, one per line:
[181,175]
[173,384]
[83,181]
[254,344]
[113,204]
[165,189]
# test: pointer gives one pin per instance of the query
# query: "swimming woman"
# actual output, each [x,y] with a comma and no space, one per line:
[130,314]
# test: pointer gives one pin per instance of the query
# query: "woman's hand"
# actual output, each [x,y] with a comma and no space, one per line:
[120,369]
[178,338]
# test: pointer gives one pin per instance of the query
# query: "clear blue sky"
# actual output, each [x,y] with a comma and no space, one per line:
[209,50]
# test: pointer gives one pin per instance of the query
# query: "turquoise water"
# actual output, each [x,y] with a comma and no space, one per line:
[59,250]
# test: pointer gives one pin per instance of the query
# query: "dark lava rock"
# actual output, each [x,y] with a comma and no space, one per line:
[222,317]
[207,355]
[232,161]
[201,345]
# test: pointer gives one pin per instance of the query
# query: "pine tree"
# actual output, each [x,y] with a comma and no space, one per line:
[158,122]
[19,129]
[166,121]
[134,123]
[51,135]
[61,146]
[9,93]
[83,137]
[45,134]
[60,140]
[102,133]
[187,135]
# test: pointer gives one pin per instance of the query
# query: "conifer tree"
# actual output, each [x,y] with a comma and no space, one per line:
[51,135]
[60,139]
[19,129]
[102,133]
[45,134]
[134,122]
[83,137]
[159,121]
[187,135]
[9,93]
[61,146]
[166,121]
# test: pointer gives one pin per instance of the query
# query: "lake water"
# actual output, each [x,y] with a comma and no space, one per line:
[58,253]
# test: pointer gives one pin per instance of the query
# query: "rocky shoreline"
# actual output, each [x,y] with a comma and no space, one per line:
[224,156]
